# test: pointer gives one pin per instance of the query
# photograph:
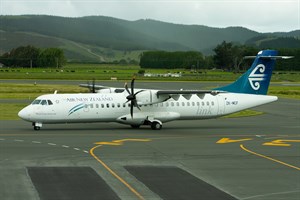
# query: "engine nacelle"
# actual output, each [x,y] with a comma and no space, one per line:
[148,97]
[148,118]
[137,120]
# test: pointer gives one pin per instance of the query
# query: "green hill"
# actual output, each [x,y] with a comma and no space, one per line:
[105,39]
[272,41]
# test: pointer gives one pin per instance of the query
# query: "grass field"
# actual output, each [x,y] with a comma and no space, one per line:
[106,72]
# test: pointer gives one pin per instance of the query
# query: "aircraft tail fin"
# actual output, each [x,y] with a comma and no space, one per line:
[257,79]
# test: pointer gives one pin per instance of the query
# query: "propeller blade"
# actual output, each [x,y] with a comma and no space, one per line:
[138,92]
[93,86]
[131,110]
[126,88]
[136,104]
[132,85]
[131,97]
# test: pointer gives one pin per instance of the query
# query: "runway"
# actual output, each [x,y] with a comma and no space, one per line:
[253,158]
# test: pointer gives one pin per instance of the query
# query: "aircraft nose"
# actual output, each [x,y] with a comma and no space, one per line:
[24,114]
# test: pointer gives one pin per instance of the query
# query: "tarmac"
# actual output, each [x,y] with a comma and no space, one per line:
[255,158]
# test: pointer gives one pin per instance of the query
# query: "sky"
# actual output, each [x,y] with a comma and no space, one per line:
[257,15]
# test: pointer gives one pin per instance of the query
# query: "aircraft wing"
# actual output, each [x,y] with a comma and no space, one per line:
[102,88]
[97,87]
[165,94]
[171,92]
[175,94]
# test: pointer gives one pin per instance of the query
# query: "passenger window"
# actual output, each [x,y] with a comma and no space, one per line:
[107,105]
[102,105]
[118,105]
[193,103]
[50,102]
[97,105]
[198,103]
[212,103]
[44,102]
[167,104]
[182,103]
[172,104]
[177,103]
[188,103]
[92,105]
[203,103]
[113,105]
[207,103]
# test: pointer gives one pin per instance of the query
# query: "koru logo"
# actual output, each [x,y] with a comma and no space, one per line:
[255,78]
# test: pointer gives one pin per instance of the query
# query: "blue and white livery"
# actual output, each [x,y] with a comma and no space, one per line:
[136,107]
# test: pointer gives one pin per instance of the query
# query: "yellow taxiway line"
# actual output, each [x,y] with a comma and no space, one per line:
[139,196]
[269,158]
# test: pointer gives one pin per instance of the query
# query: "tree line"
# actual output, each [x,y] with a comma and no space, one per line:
[30,56]
[231,57]
[178,59]
[227,56]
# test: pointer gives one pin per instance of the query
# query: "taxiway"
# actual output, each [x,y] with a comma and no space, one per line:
[255,158]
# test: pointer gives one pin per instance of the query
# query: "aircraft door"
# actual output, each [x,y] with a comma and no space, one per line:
[221,103]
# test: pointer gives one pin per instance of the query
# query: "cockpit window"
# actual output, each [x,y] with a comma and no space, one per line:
[37,101]
[44,102]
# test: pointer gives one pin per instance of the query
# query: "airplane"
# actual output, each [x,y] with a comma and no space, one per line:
[137,107]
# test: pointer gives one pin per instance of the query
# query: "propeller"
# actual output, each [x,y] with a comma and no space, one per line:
[93,88]
[132,97]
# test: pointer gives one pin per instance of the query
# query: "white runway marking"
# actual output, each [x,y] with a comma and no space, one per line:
[271,194]
[51,144]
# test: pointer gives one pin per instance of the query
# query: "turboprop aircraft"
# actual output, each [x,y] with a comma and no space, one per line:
[136,107]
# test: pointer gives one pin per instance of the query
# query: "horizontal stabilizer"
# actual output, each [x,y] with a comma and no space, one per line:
[269,57]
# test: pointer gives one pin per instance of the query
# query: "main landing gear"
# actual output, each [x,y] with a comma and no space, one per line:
[156,125]
[37,125]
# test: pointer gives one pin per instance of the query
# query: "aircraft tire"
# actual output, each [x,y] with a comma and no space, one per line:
[156,126]
[36,128]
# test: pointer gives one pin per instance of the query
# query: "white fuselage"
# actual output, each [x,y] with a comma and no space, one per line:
[111,107]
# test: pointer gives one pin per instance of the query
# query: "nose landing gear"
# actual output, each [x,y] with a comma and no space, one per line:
[37,125]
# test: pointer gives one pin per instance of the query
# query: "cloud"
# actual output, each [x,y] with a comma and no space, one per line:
[259,15]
